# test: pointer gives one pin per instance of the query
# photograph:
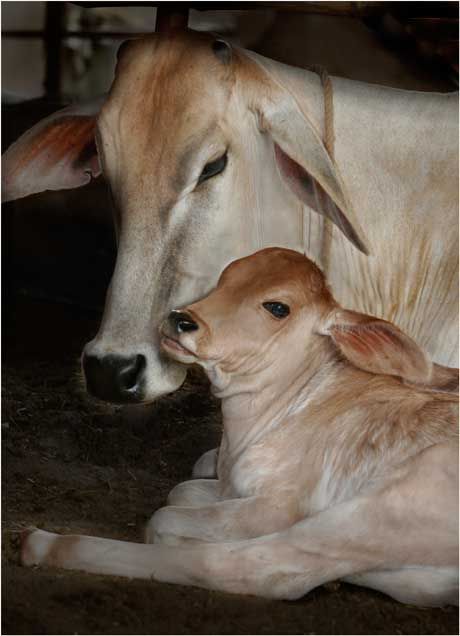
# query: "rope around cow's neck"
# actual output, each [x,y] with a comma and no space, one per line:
[328,140]
[328,106]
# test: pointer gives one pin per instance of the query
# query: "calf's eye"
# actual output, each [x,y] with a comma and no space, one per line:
[213,168]
[279,310]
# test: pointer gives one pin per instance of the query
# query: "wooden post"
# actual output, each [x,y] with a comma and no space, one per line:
[171,17]
[54,24]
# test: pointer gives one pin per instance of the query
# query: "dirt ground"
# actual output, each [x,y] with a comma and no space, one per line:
[74,465]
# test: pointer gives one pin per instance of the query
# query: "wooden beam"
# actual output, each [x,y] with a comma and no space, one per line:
[54,23]
[171,17]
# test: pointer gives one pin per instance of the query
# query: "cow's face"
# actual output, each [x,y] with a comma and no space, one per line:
[200,146]
[256,325]
[177,155]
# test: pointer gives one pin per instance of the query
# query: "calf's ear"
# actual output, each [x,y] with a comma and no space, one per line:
[57,153]
[445,379]
[377,346]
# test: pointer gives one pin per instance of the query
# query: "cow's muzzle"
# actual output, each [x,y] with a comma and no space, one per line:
[116,379]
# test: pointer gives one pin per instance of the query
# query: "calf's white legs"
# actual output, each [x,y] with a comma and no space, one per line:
[428,586]
[363,535]
[196,492]
[228,520]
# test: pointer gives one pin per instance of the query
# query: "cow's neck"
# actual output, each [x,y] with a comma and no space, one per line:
[395,175]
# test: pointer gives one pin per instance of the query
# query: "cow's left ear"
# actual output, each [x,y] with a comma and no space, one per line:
[302,159]
[377,346]
[58,153]
[307,168]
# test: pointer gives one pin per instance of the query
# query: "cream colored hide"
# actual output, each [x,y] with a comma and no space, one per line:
[179,105]
[339,455]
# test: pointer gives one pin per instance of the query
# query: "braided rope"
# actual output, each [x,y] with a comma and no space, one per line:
[328,106]
[328,139]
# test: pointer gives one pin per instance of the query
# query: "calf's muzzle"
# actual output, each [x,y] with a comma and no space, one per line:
[114,378]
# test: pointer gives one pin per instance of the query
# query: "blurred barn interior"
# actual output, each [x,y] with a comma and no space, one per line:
[67,458]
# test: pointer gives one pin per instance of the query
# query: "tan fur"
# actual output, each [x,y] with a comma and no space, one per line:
[354,422]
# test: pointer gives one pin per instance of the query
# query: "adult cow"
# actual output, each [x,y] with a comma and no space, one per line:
[212,153]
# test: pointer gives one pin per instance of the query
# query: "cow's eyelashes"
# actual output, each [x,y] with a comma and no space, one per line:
[213,168]
[277,309]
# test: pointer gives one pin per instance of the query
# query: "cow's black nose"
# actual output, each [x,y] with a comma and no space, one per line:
[115,378]
[181,322]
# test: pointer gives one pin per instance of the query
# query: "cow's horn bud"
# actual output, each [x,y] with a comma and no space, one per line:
[222,50]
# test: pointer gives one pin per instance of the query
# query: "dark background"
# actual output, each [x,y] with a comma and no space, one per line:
[74,465]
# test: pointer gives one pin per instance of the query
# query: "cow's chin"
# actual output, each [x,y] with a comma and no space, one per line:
[163,379]
[176,351]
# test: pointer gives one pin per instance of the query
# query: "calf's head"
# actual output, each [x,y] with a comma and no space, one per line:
[203,152]
[269,314]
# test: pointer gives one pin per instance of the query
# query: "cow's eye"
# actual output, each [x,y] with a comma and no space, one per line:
[279,310]
[213,168]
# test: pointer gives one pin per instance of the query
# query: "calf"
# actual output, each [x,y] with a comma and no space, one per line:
[338,458]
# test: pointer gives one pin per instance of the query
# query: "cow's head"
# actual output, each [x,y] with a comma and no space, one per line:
[197,143]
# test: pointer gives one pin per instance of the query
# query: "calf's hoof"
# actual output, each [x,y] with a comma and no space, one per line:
[159,528]
[35,546]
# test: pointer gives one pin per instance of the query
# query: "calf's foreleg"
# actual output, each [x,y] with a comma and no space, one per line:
[206,466]
[196,492]
[227,520]
[353,537]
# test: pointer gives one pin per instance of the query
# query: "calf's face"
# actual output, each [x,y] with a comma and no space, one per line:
[270,313]
[261,316]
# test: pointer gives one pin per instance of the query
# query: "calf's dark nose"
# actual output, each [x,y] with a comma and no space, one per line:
[115,378]
[182,322]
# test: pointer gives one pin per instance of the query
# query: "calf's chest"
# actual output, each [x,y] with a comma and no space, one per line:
[261,469]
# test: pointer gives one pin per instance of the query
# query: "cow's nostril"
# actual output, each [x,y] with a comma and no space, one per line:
[182,322]
[129,375]
[115,378]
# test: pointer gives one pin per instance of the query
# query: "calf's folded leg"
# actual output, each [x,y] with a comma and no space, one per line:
[227,520]
[206,466]
[422,585]
[196,492]
[357,536]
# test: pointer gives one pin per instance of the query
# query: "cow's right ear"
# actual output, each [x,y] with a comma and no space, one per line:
[300,154]
[58,153]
